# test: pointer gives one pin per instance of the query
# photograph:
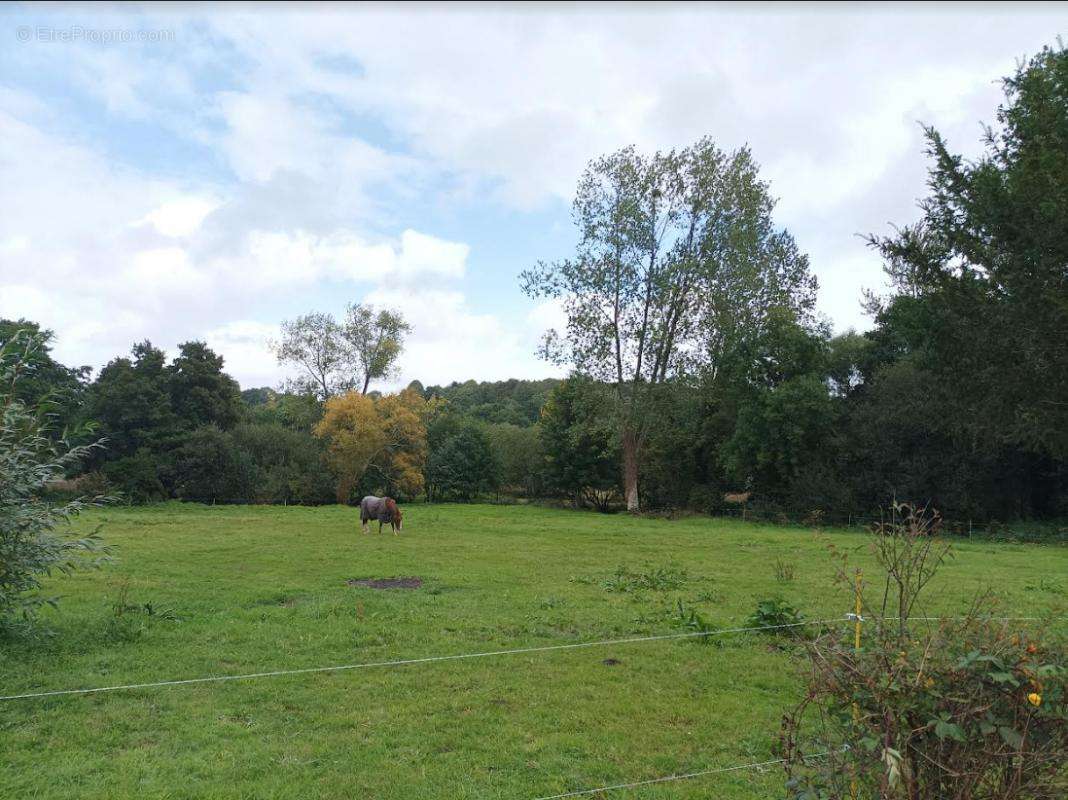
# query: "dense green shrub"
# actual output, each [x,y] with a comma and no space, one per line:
[253,463]
[706,499]
[208,468]
[518,452]
[287,464]
[580,442]
[34,533]
[463,467]
[291,411]
[971,708]
[674,453]
[137,477]
[780,433]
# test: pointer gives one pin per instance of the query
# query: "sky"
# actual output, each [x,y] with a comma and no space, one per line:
[174,173]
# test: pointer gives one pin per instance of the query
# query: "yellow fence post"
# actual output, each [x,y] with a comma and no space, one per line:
[857,610]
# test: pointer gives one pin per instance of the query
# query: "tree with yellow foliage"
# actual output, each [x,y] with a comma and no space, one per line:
[387,435]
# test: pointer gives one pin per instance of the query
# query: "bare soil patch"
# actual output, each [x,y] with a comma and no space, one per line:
[387,583]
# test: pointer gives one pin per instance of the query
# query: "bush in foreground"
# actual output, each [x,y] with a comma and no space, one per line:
[963,708]
[33,532]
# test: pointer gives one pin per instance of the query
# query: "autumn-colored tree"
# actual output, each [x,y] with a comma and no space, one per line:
[404,417]
[387,435]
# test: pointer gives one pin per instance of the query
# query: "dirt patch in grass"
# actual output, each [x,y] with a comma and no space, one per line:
[387,583]
[277,599]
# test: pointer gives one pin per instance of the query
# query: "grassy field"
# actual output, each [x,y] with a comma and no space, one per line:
[248,589]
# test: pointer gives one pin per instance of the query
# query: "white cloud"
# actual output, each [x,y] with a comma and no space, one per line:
[81,324]
[279,258]
[108,257]
[421,254]
[304,157]
[23,302]
[451,341]
[513,105]
[547,315]
[245,346]
[134,258]
[15,244]
[162,273]
[181,216]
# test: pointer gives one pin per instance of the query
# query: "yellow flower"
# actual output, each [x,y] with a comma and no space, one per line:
[1034,699]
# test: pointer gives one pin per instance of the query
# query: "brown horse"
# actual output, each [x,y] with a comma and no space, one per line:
[384,509]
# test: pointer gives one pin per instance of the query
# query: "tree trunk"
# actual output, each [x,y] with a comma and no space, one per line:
[630,469]
[344,489]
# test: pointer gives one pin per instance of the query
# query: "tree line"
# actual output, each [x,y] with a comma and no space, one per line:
[693,313]
[700,367]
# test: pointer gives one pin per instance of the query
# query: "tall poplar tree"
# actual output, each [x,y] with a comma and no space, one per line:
[678,260]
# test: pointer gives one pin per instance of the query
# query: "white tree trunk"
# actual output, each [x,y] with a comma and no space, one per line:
[630,470]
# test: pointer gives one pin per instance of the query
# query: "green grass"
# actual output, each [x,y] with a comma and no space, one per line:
[264,588]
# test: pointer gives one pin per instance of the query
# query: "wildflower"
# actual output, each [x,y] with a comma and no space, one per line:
[1034,699]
